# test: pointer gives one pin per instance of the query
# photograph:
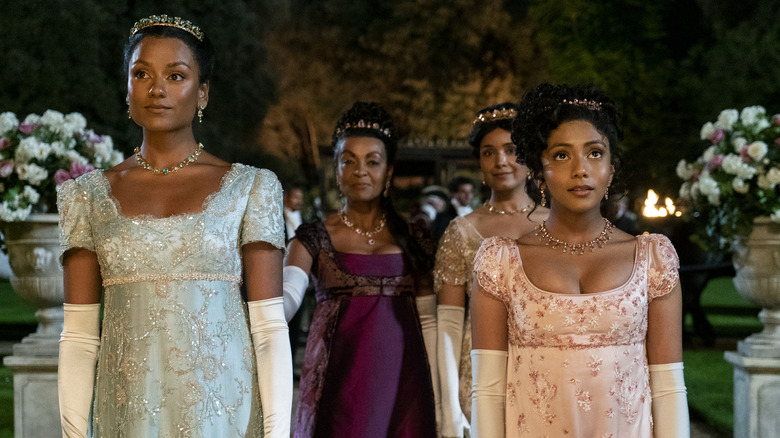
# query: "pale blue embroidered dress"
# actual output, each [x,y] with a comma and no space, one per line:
[176,357]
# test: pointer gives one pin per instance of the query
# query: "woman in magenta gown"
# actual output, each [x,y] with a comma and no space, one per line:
[365,371]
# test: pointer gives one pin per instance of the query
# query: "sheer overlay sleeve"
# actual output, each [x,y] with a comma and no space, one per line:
[73,203]
[263,220]
[492,266]
[451,267]
[664,267]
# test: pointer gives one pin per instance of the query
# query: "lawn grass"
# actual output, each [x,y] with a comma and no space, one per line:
[6,403]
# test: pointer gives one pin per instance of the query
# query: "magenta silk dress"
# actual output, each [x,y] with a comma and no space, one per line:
[577,363]
[365,370]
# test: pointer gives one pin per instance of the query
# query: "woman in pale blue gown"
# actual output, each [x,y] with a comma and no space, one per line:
[164,239]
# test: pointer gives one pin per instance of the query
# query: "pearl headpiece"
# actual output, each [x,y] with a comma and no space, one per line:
[589,104]
[164,20]
[495,115]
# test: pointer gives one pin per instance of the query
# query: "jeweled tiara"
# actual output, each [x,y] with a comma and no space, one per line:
[494,115]
[164,20]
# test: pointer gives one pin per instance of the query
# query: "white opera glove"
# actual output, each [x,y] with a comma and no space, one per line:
[488,393]
[294,288]
[274,364]
[670,404]
[450,326]
[426,307]
[79,344]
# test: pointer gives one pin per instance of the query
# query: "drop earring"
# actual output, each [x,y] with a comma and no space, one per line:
[129,117]
[544,196]
[200,113]
[606,193]
[387,188]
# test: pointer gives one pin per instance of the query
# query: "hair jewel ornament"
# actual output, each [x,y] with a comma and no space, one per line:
[589,104]
[495,115]
[364,125]
[165,20]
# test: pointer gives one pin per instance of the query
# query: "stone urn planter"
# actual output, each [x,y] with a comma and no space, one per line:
[757,264]
[33,253]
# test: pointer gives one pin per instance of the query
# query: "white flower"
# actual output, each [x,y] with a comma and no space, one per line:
[685,190]
[31,194]
[757,150]
[58,148]
[751,114]
[10,213]
[53,118]
[684,170]
[738,142]
[727,118]
[32,119]
[775,216]
[695,190]
[75,122]
[32,173]
[774,176]
[707,130]
[8,122]
[709,188]
[733,165]
[103,152]
[740,186]
[764,183]
[709,153]
[116,158]
[26,149]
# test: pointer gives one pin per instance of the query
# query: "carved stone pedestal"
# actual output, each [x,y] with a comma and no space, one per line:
[756,396]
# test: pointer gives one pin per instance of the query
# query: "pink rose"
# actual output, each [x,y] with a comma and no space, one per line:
[717,136]
[776,119]
[27,128]
[61,176]
[716,161]
[744,154]
[6,168]
[77,169]
[4,142]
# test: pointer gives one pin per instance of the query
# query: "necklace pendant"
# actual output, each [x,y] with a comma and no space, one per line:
[371,241]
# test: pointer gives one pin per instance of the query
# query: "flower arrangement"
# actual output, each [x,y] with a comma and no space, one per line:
[736,179]
[42,152]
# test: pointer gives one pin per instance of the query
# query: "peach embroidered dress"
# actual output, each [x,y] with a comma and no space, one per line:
[577,363]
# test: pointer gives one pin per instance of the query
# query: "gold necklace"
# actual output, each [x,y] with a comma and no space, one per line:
[143,164]
[576,248]
[494,210]
[369,234]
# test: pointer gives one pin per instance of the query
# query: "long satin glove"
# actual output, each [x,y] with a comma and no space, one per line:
[274,364]
[488,393]
[670,404]
[426,307]
[450,325]
[294,288]
[79,344]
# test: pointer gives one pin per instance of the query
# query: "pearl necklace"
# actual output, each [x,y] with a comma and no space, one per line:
[143,164]
[369,234]
[494,210]
[576,248]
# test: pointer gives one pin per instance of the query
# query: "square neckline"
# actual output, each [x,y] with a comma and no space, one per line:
[640,242]
[207,201]
[343,269]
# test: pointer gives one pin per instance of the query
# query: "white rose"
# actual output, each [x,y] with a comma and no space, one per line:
[32,119]
[685,190]
[707,130]
[740,186]
[773,175]
[102,152]
[738,142]
[731,164]
[31,194]
[775,216]
[8,122]
[116,158]
[751,114]
[695,190]
[763,182]
[32,173]
[58,148]
[709,153]
[55,120]
[684,170]
[707,185]
[74,156]
[727,118]
[757,150]
[26,149]
[76,122]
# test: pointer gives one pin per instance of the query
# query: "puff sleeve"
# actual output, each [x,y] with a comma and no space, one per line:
[663,272]
[263,220]
[493,266]
[74,206]
[451,266]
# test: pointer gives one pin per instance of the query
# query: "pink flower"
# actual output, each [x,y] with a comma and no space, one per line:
[744,154]
[4,142]
[717,136]
[6,168]
[776,119]
[27,128]
[60,176]
[715,162]
[77,169]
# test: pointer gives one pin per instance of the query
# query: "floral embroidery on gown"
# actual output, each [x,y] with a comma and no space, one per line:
[577,363]
[455,266]
[176,357]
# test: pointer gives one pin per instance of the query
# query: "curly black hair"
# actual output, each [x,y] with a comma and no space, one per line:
[367,119]
[481,129]
[202,51]
[370,119]
[548,106]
